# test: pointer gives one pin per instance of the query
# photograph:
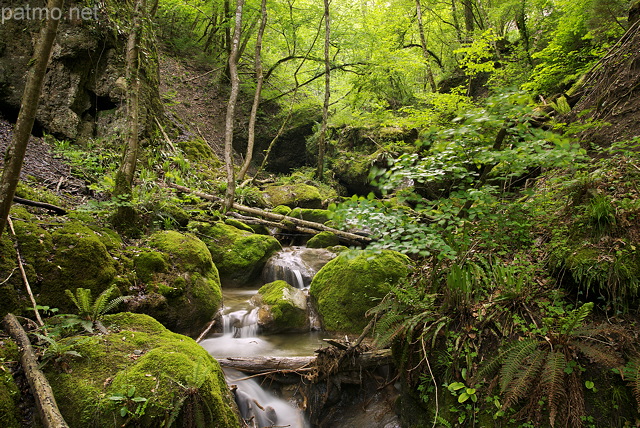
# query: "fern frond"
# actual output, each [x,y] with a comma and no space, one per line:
[577,317]
[598,353]
[632,375]
[553,378]
[514,360]
[113,304]
[521,383]
[84,300]
[100,303]
[72,298]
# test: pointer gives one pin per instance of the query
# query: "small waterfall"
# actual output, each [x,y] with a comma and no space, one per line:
[296,265]
[261,409]
[241,324]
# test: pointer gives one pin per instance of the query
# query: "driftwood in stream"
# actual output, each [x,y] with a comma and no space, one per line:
[302,365]
[309,226]
[45,401]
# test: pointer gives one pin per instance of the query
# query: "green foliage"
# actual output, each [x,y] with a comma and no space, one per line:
[90,312]
[59,351]
[132,405]
[541,367]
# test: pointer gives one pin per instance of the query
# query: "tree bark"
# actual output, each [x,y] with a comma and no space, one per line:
[327,93]
[231,108]
[425,50]
[254,211]
[300,364]
[256,98]
[45,401]
[14,156]
[127,170]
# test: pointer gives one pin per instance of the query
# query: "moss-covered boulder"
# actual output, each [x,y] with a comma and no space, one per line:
[182,285]
[282,308]
[9,393]
[314,215]
[351,284]
[323,240]
[141,374]
[66,256]
[281,209]
[239,255]
[295,195]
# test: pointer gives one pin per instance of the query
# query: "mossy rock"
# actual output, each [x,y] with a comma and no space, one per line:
[314,215]
[197,150]
[182,283]
[352,283]
[282,308]
[172,372]
[238,254]
[295,195]
[69,257]
[11,300]
[238,224]
[323,240]
[9,392]
[281,209]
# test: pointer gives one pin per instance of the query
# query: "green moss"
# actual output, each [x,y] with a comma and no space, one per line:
[182,283]
[160,365]
[282,210]
[316,216]
[9,391]
[238,224]
[197,150]
[149,263]
[295,195]
[185,249]
[287,306]
[352,283]
[239,255]
[37,193]
[323,240]
[9,277]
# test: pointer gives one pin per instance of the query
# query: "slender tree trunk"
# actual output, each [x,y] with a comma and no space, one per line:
[14,156]
[231,107]
[256,98]
[425,51]
[127,170]
[469,18]
[327,94]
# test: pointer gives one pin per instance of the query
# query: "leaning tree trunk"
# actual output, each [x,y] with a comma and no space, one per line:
[327,94]
[231,108]
[256,98]
[14,156]
[425,51]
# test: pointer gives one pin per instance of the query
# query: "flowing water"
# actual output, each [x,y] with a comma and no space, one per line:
[241,338]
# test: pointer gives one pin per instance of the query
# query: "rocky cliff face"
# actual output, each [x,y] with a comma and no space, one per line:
[84,89]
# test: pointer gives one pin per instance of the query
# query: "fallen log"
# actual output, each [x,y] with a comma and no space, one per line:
[311,226]
[53,208]
[300,365]
[45,401]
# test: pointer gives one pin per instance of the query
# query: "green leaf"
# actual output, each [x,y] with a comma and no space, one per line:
[463,397]
[131,391]
[455,386]
[589,384]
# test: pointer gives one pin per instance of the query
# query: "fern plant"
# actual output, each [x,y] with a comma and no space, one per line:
[90,312]
[547,367]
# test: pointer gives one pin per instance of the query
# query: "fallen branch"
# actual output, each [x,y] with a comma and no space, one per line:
[206,331]
[309,225]
[25,280]
[53,208]
[286,365]
[45,400]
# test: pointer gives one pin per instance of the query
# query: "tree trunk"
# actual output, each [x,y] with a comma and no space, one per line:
[231,108]
[45,401]
[256,98]
[327,93]
[14,156]
[425,51]
[127,170]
